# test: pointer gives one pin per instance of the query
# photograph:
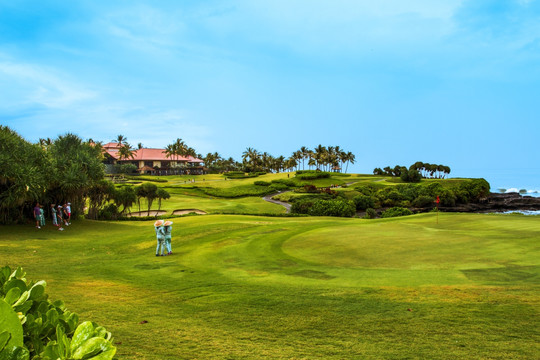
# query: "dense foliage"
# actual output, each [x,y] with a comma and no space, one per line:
[23,175]
[33,327]
[312,175]
[396,211]
[324,207]
[321,157]
[54,171]
[415,172]
[421,195]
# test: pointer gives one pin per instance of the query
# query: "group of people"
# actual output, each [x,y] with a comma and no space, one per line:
[164,237]
[60,215]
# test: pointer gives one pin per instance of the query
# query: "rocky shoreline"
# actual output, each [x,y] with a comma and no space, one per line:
[497,202]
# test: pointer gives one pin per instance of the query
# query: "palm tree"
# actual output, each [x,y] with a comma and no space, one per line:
[279,163]
[297,155]
[305,153]
[349,158]
[120,139]
[251,156]
[319,153]
[290,163]
[125,152]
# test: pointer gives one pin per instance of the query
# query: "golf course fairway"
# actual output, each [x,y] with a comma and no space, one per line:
[253,287]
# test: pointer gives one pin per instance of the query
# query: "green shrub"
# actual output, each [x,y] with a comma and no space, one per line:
[363,202]
[310,188]
[424,201]
[396,211]
[302,205]
[411,175]
[262,183]
[341,208]
[33,327]
[311,175]
[368,189]
[370,214]
[288,182]
[147,178]
[109,212]
[279,187]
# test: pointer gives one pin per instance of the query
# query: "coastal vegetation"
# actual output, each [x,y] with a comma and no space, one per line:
[52,171]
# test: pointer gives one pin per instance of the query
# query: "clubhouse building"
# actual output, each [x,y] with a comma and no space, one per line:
[154,161]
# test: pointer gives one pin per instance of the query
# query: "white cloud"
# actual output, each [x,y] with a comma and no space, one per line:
[35,84]
[144,27]
[348,26]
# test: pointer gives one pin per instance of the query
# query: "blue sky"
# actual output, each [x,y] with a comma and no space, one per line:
[452,82]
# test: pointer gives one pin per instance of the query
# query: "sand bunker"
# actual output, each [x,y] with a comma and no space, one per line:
[145,213]
[188,211]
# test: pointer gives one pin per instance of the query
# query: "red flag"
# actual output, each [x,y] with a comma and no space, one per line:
[438,201]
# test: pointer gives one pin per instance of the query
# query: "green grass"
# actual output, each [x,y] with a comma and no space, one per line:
[248,287]
[213,194]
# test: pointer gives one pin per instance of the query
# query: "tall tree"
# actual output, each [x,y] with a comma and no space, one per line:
[349,158]
[304,151]
[251,156]
[125,152]
[162,194]
[23,175]
[120,139]
[75,167]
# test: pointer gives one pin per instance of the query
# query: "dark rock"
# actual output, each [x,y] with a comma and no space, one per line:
[497,202]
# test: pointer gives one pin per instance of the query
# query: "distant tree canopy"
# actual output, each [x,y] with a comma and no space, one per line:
[52,171]
[415,172]
[331,158]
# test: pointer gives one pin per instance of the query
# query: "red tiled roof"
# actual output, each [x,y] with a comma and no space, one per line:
[145,154]
[111,145]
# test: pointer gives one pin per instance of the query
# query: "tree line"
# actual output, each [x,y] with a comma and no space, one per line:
[415,172]
[331,158]
[51,171]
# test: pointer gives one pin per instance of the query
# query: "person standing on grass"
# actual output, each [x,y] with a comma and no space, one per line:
[167,229]
[37,213]
[66,214]
[54,215]
[41,216]
[68,208]
[60,215]
[160,235]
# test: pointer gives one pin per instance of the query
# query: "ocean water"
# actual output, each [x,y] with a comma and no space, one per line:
[523,192]
[524,212]
[525,181]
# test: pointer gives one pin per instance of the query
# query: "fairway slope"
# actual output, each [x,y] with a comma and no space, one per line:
[249,287]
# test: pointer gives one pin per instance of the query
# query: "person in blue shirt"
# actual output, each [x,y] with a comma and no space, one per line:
[167,229]
[160,235]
